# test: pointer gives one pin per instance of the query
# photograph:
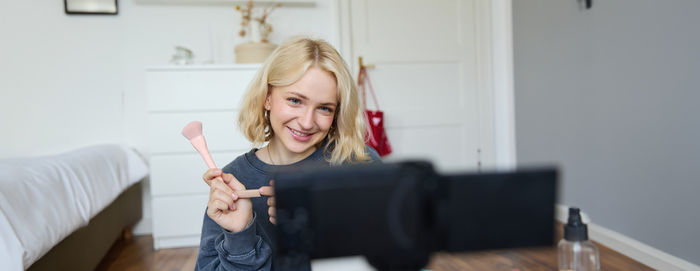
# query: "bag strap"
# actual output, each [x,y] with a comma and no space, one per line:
[363,77]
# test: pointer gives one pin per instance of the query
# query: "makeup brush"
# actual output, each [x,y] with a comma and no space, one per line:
[193,132]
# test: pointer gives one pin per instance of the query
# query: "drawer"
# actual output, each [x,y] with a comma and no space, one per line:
[181,174]
[219,128]
[197,89]
[178,215]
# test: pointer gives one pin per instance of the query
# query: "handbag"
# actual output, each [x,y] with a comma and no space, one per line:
[376,135]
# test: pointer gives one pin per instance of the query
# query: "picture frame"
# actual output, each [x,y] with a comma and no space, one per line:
[105,7]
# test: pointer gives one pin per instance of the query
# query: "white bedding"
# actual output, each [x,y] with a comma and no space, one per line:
[44,199]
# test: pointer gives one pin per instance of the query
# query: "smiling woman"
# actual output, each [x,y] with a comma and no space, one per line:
[302,113]
[314,69]
[304,105]
[91,7]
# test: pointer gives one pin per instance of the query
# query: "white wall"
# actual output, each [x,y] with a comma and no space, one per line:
[69,81]
[210,31]
[60,77]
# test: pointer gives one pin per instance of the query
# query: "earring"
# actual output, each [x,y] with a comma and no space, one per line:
[331,132]
[268,125]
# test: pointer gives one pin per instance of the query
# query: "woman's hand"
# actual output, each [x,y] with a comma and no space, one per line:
[269,191]
[211,175]
[224,206]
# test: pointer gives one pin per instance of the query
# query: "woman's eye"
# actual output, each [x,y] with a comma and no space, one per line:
[327,109]
[294,100]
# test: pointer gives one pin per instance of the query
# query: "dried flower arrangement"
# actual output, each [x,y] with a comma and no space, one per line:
[247,15]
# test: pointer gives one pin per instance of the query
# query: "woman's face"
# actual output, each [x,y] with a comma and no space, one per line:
[302,113]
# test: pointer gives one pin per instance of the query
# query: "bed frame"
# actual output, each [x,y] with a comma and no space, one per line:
[84,249]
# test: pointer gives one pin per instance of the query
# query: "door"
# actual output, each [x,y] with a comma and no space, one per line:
[425,76]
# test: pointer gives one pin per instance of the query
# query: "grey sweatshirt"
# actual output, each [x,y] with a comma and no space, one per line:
[253,247]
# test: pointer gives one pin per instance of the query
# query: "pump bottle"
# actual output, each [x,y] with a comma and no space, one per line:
[576,252]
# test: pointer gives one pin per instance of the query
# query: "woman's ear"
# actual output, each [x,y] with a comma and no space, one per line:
[267,101]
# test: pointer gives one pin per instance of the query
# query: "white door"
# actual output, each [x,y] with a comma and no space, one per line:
[425,76]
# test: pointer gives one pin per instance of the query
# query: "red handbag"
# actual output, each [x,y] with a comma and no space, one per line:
[376,135]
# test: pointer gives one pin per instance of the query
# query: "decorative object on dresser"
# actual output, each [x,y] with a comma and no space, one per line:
[258,29]
[176,95]
[182,56]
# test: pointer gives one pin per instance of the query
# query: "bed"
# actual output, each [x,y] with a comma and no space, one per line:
[63,212]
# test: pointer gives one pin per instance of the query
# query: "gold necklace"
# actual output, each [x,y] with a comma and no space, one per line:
[270,155]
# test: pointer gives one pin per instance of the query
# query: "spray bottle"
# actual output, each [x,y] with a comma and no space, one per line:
[576,252]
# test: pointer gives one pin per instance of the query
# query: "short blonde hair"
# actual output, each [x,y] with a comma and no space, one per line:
[286,65]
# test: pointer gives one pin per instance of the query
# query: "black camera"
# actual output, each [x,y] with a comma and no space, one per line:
[397,214]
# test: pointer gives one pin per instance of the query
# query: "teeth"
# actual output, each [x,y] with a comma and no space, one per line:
[298,133]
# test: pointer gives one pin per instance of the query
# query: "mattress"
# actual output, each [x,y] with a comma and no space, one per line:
[44,199]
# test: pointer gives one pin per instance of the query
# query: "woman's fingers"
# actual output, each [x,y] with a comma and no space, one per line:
[271,210]
[224,197]
[233,182]
[273,220]
[210,175]
[228,177]
[219,184]
[215,174]
[230,188]
[267,191]
[273,217]
[217,206]
[223,192]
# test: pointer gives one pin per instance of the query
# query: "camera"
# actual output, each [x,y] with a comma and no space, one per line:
[397,214]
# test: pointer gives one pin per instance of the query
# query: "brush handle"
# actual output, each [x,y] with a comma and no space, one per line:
[246,194]
[200,144]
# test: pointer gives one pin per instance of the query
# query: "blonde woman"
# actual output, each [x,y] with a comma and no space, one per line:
[305,105]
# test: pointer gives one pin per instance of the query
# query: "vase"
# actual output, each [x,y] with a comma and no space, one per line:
[253,52]
[254,30]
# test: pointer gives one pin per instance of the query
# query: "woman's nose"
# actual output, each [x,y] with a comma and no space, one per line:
[306,120]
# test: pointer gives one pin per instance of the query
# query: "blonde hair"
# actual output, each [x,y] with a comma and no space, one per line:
[286,65]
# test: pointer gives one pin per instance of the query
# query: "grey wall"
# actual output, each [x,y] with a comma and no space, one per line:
[612,95]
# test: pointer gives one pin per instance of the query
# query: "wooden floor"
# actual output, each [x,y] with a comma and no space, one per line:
[525,259]
[137,254]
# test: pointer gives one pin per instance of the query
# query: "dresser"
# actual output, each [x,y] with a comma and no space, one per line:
[177,95]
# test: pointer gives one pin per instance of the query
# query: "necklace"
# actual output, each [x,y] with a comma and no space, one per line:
[270,155]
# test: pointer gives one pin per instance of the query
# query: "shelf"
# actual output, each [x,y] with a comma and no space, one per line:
[204,67]
[295,3]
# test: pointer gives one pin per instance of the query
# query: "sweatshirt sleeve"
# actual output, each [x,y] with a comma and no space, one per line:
[373,155]
[224,250]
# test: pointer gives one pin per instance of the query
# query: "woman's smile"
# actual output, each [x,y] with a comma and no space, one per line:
[299,136]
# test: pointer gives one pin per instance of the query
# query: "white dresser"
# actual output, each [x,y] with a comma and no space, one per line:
[177,95]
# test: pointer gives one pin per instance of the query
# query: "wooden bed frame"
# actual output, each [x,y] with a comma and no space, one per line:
[84,249]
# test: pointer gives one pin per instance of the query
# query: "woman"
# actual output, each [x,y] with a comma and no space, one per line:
[305,105]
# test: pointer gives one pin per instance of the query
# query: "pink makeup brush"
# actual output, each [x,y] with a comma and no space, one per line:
[193,132]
